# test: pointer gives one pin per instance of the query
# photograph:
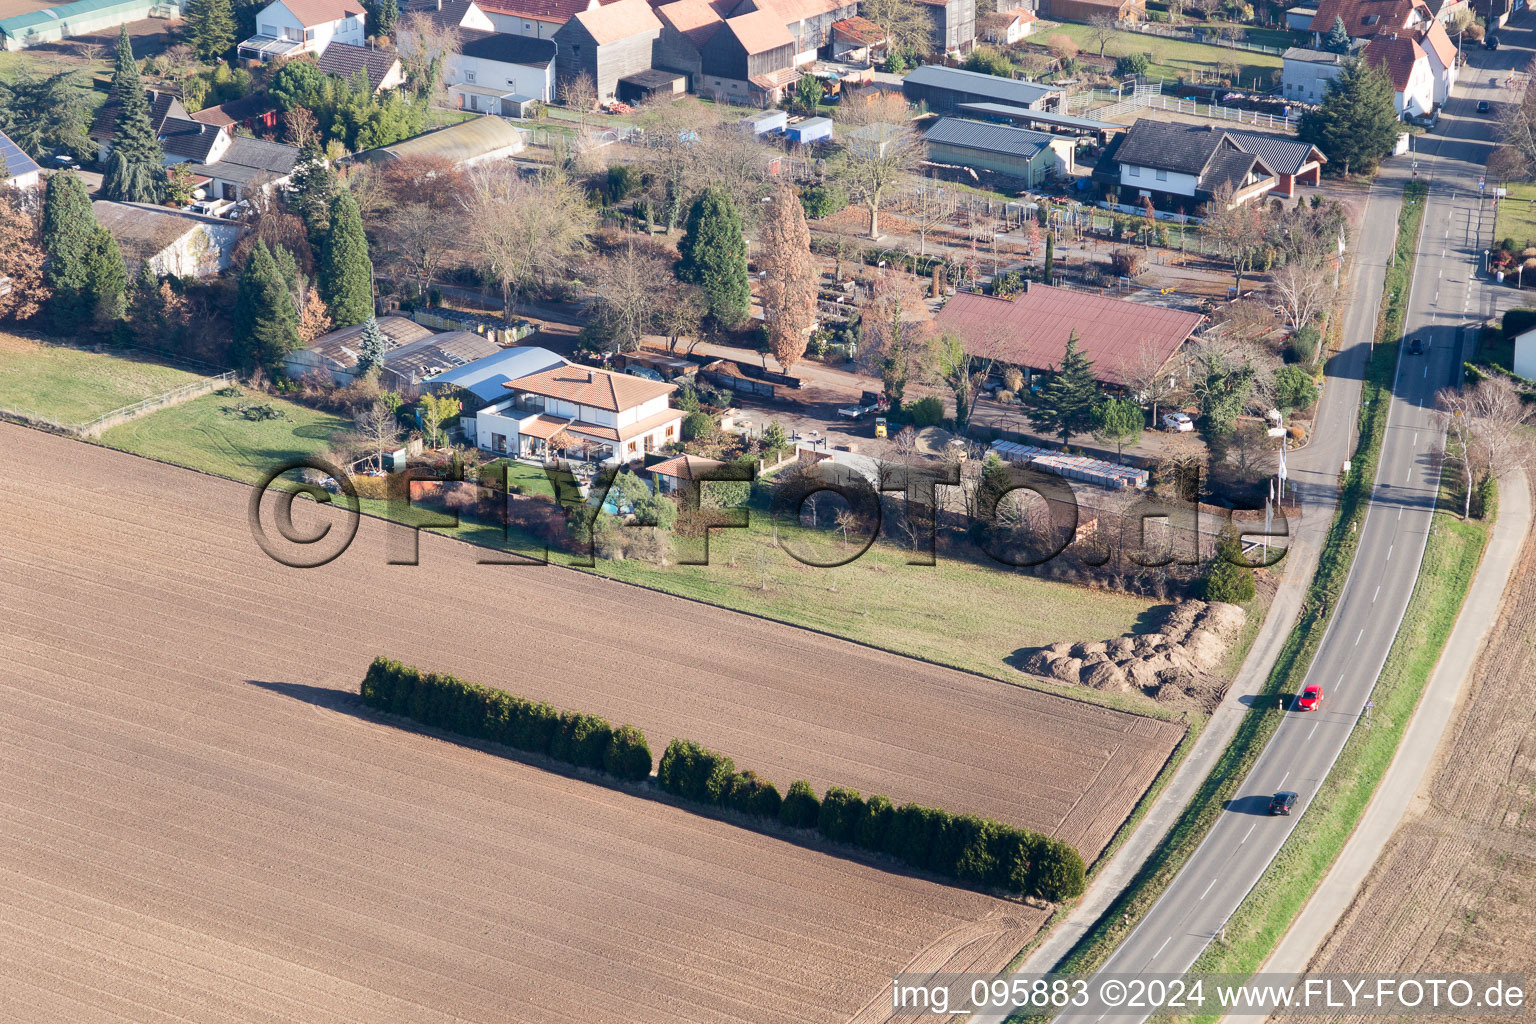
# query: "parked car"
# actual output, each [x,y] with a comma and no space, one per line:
[1282,803]
[1416,346]
[1311,698]
[1177,422]
[1482,106]
[66,161]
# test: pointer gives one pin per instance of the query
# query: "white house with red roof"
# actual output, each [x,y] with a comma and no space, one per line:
[1442,58]
[612,417]
[1406,63]
[286,28]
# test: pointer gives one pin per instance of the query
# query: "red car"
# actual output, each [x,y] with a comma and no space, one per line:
[1311,698]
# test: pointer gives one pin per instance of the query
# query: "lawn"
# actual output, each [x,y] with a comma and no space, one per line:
[211,435]
[1171,58]
[72,386]
[1517,215]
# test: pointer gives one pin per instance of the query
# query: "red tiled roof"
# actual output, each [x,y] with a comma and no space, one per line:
[696,19]
[557,11]
[626,432]
[543,427]
[686,467]
[792,11]
[1365,18]
[321,12]
[760,31]
[619,20]
[1435,38]
[1398,54]
[599,389]
[1032,330]
[860,30]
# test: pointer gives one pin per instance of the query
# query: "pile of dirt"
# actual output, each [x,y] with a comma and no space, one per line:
[1174,666]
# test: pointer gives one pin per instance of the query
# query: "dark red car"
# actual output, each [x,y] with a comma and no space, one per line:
[1311,698]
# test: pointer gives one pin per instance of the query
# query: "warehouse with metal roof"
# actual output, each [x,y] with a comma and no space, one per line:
[942,90]
[1018,153]
[466,144]
[80,18]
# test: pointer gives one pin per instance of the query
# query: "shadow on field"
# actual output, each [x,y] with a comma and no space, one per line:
[348,703]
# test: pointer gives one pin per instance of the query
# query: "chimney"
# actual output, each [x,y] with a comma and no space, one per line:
[1026,284]
[591,376]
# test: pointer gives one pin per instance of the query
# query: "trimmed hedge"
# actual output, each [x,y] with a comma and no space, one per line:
[481,713]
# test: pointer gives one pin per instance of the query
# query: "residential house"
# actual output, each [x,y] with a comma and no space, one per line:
[17,170]
[1366,18]
[1299,19]
[483,382]
[162,105]
[244,167]
[750,60]
[1182,166]
[346,60]
[287,28]
[1028,157]
[1406,63]
[540,19]
[943,89]
[687,26]
[82,18]
[1445,11]
[1305,74]
[1004,28]
[1524,359]
[614,417]
[1087,10]
[464,15]
[1294,163]
[858,40]
[493,65]
[170,241]
[607,43]
[954,25]
[1031,330]
[467,143]
[1442,59]
[336,353]
[254,113]
[675,474]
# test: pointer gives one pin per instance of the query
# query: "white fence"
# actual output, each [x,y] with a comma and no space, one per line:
[1195,36]
[93,428]
[1145,101]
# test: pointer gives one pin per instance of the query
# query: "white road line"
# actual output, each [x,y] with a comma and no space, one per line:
[1357,639]
[1160,948]
[1375,595]
[1416,433]
[1408,475]
[1389,551]
[1399,512]
[1314,729]
[1208,889]
[1284,777]
[1245,839]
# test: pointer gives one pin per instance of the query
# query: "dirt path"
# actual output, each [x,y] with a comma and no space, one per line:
[200,826]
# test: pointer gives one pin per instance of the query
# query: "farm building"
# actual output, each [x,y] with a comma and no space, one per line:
[466,144]
[686,29]
[750,60]
[651,84]
[614,417]
[21,171]
[607,43]
[336,353]
[484,380]
[943,89]
[954,25]
[1031,331]
[1030,157]
[1065,124]
[410,364]
[172,241]
[1087,10]
[808,21]
[81,18]
[858,40]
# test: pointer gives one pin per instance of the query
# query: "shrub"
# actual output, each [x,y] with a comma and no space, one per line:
[628,755]
[697,424]
[623,182]
[752,795]
[841,810]
[925,412]
[694,773]
[1230,583]
[1303,346]
[1485,500]
[1295,388]
[823,200]
[1058,872]
[871,831]
[800,808]
[978,859]
[1133,64]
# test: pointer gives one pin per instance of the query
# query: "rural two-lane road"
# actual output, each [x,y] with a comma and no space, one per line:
[1445,295]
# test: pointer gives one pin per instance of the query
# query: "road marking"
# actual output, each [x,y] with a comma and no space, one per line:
[1160,948]
[1357,639]
[1389,551]
[1408,475]
[1314,729]
[1208,889]
[1415,436]
[1426,369]
[1375,595]
[1245,839]
[1399,512]
[1284,777]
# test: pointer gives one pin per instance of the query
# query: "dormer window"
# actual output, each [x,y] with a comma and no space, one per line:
[1370,19]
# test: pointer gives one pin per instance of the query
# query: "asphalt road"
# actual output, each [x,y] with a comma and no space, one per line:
[1445,295]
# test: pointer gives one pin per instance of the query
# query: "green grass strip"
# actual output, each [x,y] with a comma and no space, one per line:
[1259,724]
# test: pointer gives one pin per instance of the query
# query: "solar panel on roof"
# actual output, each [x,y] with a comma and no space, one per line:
[17,162]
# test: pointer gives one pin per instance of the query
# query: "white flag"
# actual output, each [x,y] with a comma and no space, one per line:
[1281,474]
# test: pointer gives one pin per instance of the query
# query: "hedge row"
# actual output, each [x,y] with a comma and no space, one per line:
[479,712]
[961,846]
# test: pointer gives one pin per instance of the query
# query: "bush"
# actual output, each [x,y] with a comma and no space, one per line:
[1230,583]
[841,811]
[1485,500]
[823,200]
[1303,346]
[1058,873]
[1133,64]
[1295,388]
[800,808]
[925,412]
[697,424]
[628,755]
[623,182]
[875,823]
[754,796]
[694,773]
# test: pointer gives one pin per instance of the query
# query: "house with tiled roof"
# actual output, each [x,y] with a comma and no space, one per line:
[162,105]
[1030,331]
[540,19]
[1004,28]
[492,65]
[1294,163]
[1406,63]
[607,43]
[253,112]
[465,15]
[809,22]
[287,28]
[1087,10]
[611,417]
[751,60]
[1182,166]
[1364,19]
[1443,61]
[382,67]
[675,474]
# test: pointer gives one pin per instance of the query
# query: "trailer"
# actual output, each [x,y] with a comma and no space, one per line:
[812,129]
[1108,475]
[766,123]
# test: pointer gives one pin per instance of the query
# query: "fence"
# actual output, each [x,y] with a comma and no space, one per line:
[1154,101]
[1196,36]
[94,428]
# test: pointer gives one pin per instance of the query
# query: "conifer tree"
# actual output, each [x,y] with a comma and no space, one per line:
[346,273]
[136,168]
[1338,37]
[1064,406]
[714,257]
[106,277]
[1357,124]
[266,326]
[371,347]
[69,226]
[1049,270]
[210,28]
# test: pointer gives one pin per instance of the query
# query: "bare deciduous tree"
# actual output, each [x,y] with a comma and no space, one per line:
[425,218]
[1238,228]
[1486,426]
[1103,28]
[1517,126]
[425,43]
[1302,288]
[1151,382]
[682,313]
[579,94]
[527,231]
[631,285]
[928,205]
[789,278]
[377,432]
[906,24]
[880,149]
[891,345]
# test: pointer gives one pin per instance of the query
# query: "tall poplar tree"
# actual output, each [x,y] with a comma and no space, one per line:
[346,272]
[68,227]
[136,168]
[714,257]
[266,326]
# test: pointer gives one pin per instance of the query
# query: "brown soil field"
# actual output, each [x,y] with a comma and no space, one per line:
[1455,888]
[200,824]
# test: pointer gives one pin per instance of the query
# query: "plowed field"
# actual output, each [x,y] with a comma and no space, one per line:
[1455,889]
[198,824]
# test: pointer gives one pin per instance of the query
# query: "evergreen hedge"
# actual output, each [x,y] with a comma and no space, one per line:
[481,713]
